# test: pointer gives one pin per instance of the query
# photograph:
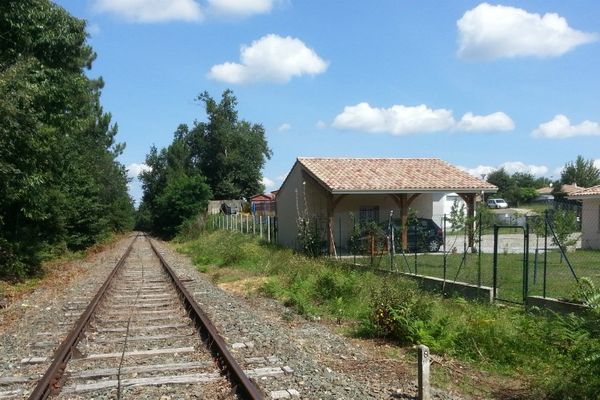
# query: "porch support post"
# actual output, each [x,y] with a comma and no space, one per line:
[469,198]
[330,242]
[332,202]
[403,201]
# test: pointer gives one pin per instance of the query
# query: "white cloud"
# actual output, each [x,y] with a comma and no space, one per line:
[151,10]
[560,128]
[284,127]
[517,166]
[397,120]
[269,183]
[510,167]
[272,58]
[497,121]
[405,120]
[93,29]
[241,8]
[133,170]
[495,31]
[321,124]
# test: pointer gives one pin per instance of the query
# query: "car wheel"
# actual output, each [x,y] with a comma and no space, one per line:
[434,245]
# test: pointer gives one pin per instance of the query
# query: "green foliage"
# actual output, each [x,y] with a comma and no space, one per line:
[226,154]
[557,355]
[309,237]
[400,315]
[582,172]
[517,188]
[229,152]
[564,224]
[60,184]
[183,198]
[354,241]
[458,216]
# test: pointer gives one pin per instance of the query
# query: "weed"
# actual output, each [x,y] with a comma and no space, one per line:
[561,355]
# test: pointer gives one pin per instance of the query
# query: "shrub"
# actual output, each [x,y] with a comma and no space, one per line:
[401,315]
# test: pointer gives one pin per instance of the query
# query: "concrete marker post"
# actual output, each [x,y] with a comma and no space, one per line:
[423,361]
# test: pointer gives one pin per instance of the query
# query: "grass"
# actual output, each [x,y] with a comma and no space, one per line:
[560,281]
[12,289]
[545,350]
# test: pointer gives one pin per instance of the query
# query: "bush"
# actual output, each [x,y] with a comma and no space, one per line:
[401,315]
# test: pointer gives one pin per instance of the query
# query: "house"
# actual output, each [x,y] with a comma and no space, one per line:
[217,206]
[544,194]
[264,204]
[590,216]
[334,189]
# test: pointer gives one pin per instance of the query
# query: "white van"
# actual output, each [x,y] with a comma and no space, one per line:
[497,203]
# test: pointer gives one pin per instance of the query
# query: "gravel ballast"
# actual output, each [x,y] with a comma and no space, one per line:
[287,357]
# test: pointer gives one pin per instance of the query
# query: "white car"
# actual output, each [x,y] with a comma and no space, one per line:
[497,203]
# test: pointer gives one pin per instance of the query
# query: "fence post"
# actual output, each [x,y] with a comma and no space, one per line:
[445,252]
[254,224]
[260,225]
[423,361]
[479,255]
[495,261]
[526,263]
[247,224]
[268,229]
[545,251]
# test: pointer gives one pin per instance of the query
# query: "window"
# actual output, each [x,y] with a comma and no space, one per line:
[368,214]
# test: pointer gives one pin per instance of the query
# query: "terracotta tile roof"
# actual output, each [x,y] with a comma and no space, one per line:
[392,174]
[594,191]
[570,189]
[544,190]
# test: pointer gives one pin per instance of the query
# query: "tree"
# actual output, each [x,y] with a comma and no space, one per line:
[581,172]
[60,185]
[183,198]
[222,158]
[229,152]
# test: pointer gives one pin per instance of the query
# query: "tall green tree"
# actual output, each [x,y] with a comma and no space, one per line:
[582,172]
[230,152]
[221,158]
[60,184]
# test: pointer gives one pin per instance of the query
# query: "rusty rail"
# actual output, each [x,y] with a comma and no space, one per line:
[215,343]
[51,379]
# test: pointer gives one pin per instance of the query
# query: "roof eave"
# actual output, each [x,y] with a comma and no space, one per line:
[584,196]
[414,190]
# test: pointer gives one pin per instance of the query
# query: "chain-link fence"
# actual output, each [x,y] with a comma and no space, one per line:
[517,255]
[559,266]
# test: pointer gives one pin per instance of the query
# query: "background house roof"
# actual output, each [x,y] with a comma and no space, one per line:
[594,191]
[571,189]
[347,175]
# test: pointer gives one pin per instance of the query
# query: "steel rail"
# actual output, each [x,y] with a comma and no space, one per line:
[209,333]
[51,379]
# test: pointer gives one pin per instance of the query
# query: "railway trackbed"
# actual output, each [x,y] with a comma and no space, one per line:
[141,336]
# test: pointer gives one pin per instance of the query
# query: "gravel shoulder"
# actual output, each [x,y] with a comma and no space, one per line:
[325,364]
[319,361]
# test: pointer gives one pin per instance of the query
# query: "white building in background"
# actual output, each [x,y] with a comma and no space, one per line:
[590,216]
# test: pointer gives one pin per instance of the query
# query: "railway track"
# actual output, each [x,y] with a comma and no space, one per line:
[142,336]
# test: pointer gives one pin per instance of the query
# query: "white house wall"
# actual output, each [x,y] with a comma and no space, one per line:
[590,235]
[292,202]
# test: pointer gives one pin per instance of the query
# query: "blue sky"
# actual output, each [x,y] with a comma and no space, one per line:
[481,85]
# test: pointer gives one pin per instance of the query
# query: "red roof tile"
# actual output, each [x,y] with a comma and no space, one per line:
[594,191]
[392,174]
